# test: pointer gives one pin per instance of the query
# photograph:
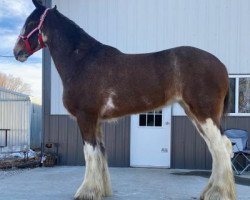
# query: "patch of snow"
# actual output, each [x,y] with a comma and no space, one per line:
[18,154]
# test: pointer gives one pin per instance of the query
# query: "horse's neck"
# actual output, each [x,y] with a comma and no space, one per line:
[67,44]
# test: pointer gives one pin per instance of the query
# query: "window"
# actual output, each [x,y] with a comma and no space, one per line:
[232,83]
[240,95]
[153,118]
[244,95]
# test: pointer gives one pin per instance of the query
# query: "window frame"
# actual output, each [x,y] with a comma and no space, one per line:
[153,113]
[237,77]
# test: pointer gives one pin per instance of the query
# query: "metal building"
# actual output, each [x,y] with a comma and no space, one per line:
[139,26]
[36,126]
[15,117]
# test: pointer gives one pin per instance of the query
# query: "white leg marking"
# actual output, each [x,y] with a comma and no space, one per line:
[221,184]
[229,146]
[211,179]
[96,181]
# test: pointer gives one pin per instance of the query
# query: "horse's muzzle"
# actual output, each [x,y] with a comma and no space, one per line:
[20,55]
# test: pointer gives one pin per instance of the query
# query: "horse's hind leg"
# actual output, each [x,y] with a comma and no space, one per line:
[96,182]
[221,183]
[213,175]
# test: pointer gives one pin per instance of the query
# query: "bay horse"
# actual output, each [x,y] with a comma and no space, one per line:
[102,83]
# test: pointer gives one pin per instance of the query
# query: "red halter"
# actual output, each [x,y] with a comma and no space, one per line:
[40,38]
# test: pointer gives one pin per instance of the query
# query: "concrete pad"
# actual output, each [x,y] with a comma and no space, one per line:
[61,183]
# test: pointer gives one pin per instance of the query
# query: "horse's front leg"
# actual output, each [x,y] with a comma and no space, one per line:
[96,182]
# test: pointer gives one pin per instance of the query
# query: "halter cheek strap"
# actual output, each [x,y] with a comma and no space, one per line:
[27,44]
[40,37]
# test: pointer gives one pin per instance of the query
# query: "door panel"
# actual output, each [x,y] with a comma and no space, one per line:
[150,139]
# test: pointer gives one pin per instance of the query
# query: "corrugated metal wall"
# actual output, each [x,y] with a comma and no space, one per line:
[36,126]
[137,26]
[220,27]
[189,150]
[15,114]
[63,131]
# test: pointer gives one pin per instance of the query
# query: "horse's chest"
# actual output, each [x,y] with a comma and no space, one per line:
[70,102]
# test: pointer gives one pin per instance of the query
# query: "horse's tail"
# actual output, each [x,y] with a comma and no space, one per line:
[226,103]
[225,109]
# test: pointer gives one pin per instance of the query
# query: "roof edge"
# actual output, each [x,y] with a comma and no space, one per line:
[14,92]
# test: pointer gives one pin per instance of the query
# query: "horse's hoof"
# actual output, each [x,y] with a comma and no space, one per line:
[217,193]
[85,193]
[108,193]
[202,197]
[87,197]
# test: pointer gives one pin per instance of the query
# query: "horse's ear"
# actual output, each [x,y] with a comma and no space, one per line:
[55,7]
[38,4]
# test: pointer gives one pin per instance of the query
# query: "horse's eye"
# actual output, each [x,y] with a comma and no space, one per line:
[31,23]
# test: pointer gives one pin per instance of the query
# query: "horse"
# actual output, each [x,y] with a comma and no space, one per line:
[102,83]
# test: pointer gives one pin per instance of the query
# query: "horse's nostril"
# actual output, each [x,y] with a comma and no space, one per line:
[20,55]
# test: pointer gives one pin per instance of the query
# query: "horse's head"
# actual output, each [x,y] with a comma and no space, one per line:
[31,39]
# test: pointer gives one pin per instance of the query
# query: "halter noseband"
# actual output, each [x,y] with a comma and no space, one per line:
[25,38]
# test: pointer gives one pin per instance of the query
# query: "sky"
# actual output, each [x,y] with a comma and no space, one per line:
[13,14]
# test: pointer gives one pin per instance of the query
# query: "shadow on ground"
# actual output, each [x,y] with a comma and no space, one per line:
[206,174]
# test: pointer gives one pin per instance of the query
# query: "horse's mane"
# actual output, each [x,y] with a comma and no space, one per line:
[74,33]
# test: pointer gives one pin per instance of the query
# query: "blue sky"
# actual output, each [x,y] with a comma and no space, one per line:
[12,16]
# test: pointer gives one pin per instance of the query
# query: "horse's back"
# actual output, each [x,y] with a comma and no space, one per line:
[191,59]
[200,69]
